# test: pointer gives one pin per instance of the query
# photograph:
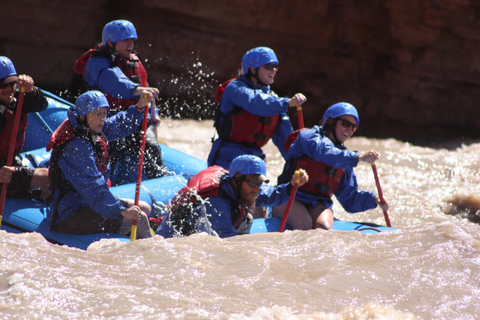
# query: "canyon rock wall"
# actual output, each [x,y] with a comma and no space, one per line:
[410,67]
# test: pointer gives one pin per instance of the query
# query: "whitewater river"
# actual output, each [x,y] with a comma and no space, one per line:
[427,269]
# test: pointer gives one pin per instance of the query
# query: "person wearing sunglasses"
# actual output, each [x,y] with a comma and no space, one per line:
[23,182]
[250,113]
[222,202]
[321,152]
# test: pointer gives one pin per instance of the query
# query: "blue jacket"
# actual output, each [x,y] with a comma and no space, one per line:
[77,163]
[219,210]
[314,143]
[260,101]
[100,74]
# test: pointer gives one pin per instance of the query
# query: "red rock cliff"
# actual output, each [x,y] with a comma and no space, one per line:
[410,67]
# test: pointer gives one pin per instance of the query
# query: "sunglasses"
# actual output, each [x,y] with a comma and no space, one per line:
[270,66]
[253,185]
[13,84]
[347,124]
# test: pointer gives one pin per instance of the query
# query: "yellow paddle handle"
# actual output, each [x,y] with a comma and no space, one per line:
[133,233]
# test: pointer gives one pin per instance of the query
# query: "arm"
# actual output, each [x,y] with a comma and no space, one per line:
[123,123]
[314,145]
[219,214]
[281,133]
[77,163]
[351,197]
[111,80]
[34,100]
[255,101]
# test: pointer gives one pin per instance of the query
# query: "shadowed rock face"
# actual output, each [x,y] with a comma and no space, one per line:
[411,69]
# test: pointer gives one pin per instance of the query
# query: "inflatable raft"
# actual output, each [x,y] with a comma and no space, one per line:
[22,215]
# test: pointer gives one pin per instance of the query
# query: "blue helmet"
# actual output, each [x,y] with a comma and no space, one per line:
[7,69]
[248,164]
[258,57]
[89,101]
[118,30]
[340,109]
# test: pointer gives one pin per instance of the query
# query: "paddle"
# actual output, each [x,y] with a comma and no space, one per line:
[133,232]
[290,201]
[300,117]
[380,194]
[11,150]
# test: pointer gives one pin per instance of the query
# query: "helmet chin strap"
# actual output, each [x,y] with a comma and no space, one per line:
[334,131]
[256,77]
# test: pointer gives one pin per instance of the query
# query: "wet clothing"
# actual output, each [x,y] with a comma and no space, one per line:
[220,208]
[314,143]
[109,73]
[264,106]
[19,186]
[77,163]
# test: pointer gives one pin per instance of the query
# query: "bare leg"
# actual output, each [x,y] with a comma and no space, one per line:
[143,224]
[322,217]
[41,181]
[298,218]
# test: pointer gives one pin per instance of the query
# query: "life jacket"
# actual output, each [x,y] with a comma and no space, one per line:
[7,123]
[206,183]
[323,180]
[132,68]
[243,127]
[64,134]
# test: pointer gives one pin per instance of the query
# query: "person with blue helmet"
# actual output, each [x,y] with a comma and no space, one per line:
[321,152]
[79,170]
[250,113]
[115,68]
[23,182]
[225,200]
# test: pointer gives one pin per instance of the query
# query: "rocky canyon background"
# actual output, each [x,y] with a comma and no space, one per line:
[412,68]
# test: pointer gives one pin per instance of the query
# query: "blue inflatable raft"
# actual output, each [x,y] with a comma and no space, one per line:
[22,215]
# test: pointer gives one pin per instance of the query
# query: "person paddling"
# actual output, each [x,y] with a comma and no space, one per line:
[250,113]
[222,202]
[321,152]
[82,202]
[23,182]
[115,68]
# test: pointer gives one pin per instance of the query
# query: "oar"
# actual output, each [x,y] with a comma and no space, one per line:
[133,232]
[300,117]
[290,201]
[11,150]
[380,194]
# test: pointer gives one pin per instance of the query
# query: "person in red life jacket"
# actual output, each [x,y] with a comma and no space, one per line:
[250,113]
[329,164]
[116,69]
[23,182]
[221,202]
[81,200]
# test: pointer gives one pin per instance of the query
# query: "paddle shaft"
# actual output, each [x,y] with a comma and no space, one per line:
[380,194]
[289,203]
[300,117]
[11,150]
[133,233]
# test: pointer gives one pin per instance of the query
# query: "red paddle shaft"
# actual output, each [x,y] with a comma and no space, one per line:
[300,117]
[380,194]
[139,169]
[11,150]
[290,202]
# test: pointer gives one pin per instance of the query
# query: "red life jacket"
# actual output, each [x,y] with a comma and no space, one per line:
[207,184]
[6,134]
[243,127]
[323,180]
[62,135]
[132,68]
